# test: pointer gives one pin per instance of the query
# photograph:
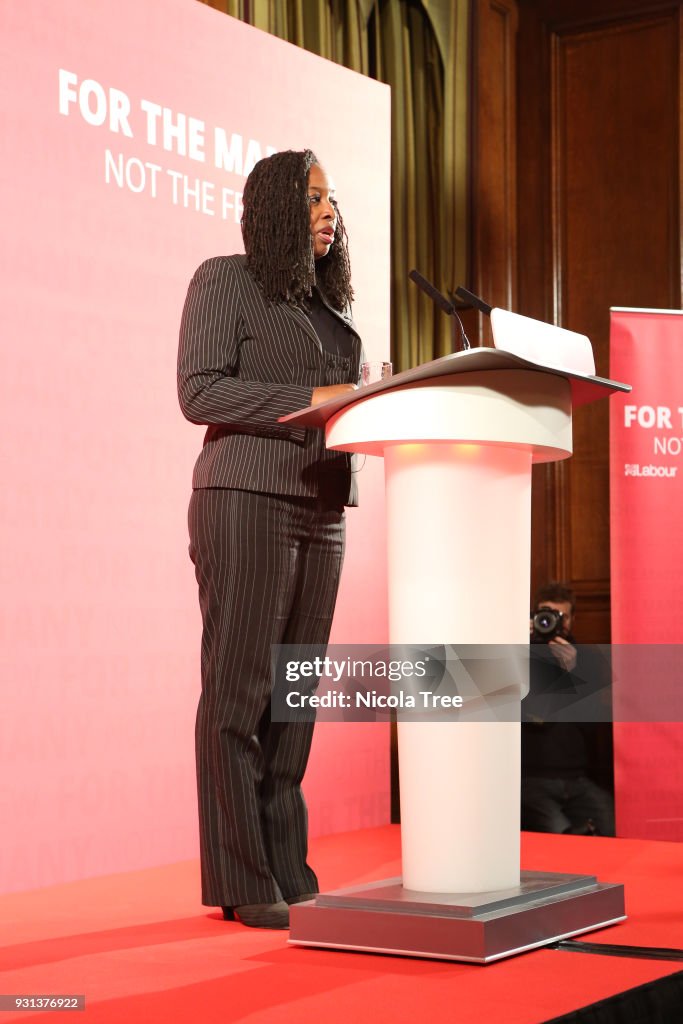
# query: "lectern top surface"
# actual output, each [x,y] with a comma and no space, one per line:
[585,389]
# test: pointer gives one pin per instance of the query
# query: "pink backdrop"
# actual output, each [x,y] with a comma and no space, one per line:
[646,427]
[111,196]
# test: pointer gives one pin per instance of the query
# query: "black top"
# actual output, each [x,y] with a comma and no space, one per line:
[335,337]
[337,343]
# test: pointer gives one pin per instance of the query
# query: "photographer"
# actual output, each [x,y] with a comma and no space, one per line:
[557,793]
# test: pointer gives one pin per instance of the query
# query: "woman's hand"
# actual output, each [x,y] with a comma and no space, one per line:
[331,391]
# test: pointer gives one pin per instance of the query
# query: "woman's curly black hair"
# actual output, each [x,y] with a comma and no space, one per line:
[276,227]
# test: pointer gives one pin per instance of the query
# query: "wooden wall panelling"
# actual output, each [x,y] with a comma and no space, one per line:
[599,188]
[494,167]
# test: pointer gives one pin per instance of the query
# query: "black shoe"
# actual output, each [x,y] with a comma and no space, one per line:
[259,915]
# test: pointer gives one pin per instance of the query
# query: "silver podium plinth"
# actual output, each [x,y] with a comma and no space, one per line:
[383,917]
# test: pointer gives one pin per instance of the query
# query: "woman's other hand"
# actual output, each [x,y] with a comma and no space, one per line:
[331,391]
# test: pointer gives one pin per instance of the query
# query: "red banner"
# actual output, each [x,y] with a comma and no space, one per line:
[128,132]
[646,473]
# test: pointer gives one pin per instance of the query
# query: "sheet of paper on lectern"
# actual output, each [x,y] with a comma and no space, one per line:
[542,343]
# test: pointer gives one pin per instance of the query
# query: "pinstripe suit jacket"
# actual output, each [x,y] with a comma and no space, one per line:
[242,363]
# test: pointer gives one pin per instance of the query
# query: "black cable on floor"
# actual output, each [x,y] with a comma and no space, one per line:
[605,949]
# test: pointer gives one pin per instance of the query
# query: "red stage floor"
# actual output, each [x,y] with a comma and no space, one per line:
[142,949]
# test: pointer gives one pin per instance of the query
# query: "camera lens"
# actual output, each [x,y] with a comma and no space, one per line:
[546,621]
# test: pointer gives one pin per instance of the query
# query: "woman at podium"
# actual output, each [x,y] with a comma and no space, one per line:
[262,335]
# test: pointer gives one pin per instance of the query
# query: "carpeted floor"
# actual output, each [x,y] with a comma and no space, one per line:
[142,948]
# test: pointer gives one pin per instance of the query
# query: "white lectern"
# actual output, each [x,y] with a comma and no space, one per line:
[459,436]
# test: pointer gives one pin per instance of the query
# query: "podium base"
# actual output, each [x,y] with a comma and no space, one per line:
[383,917]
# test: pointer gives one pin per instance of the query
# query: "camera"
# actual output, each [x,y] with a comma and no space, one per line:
[546,624]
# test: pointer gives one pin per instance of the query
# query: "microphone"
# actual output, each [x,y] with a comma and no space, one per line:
[472,300]
[428,288]
[439,300]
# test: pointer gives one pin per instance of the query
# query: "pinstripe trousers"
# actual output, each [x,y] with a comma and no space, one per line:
[268,571]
